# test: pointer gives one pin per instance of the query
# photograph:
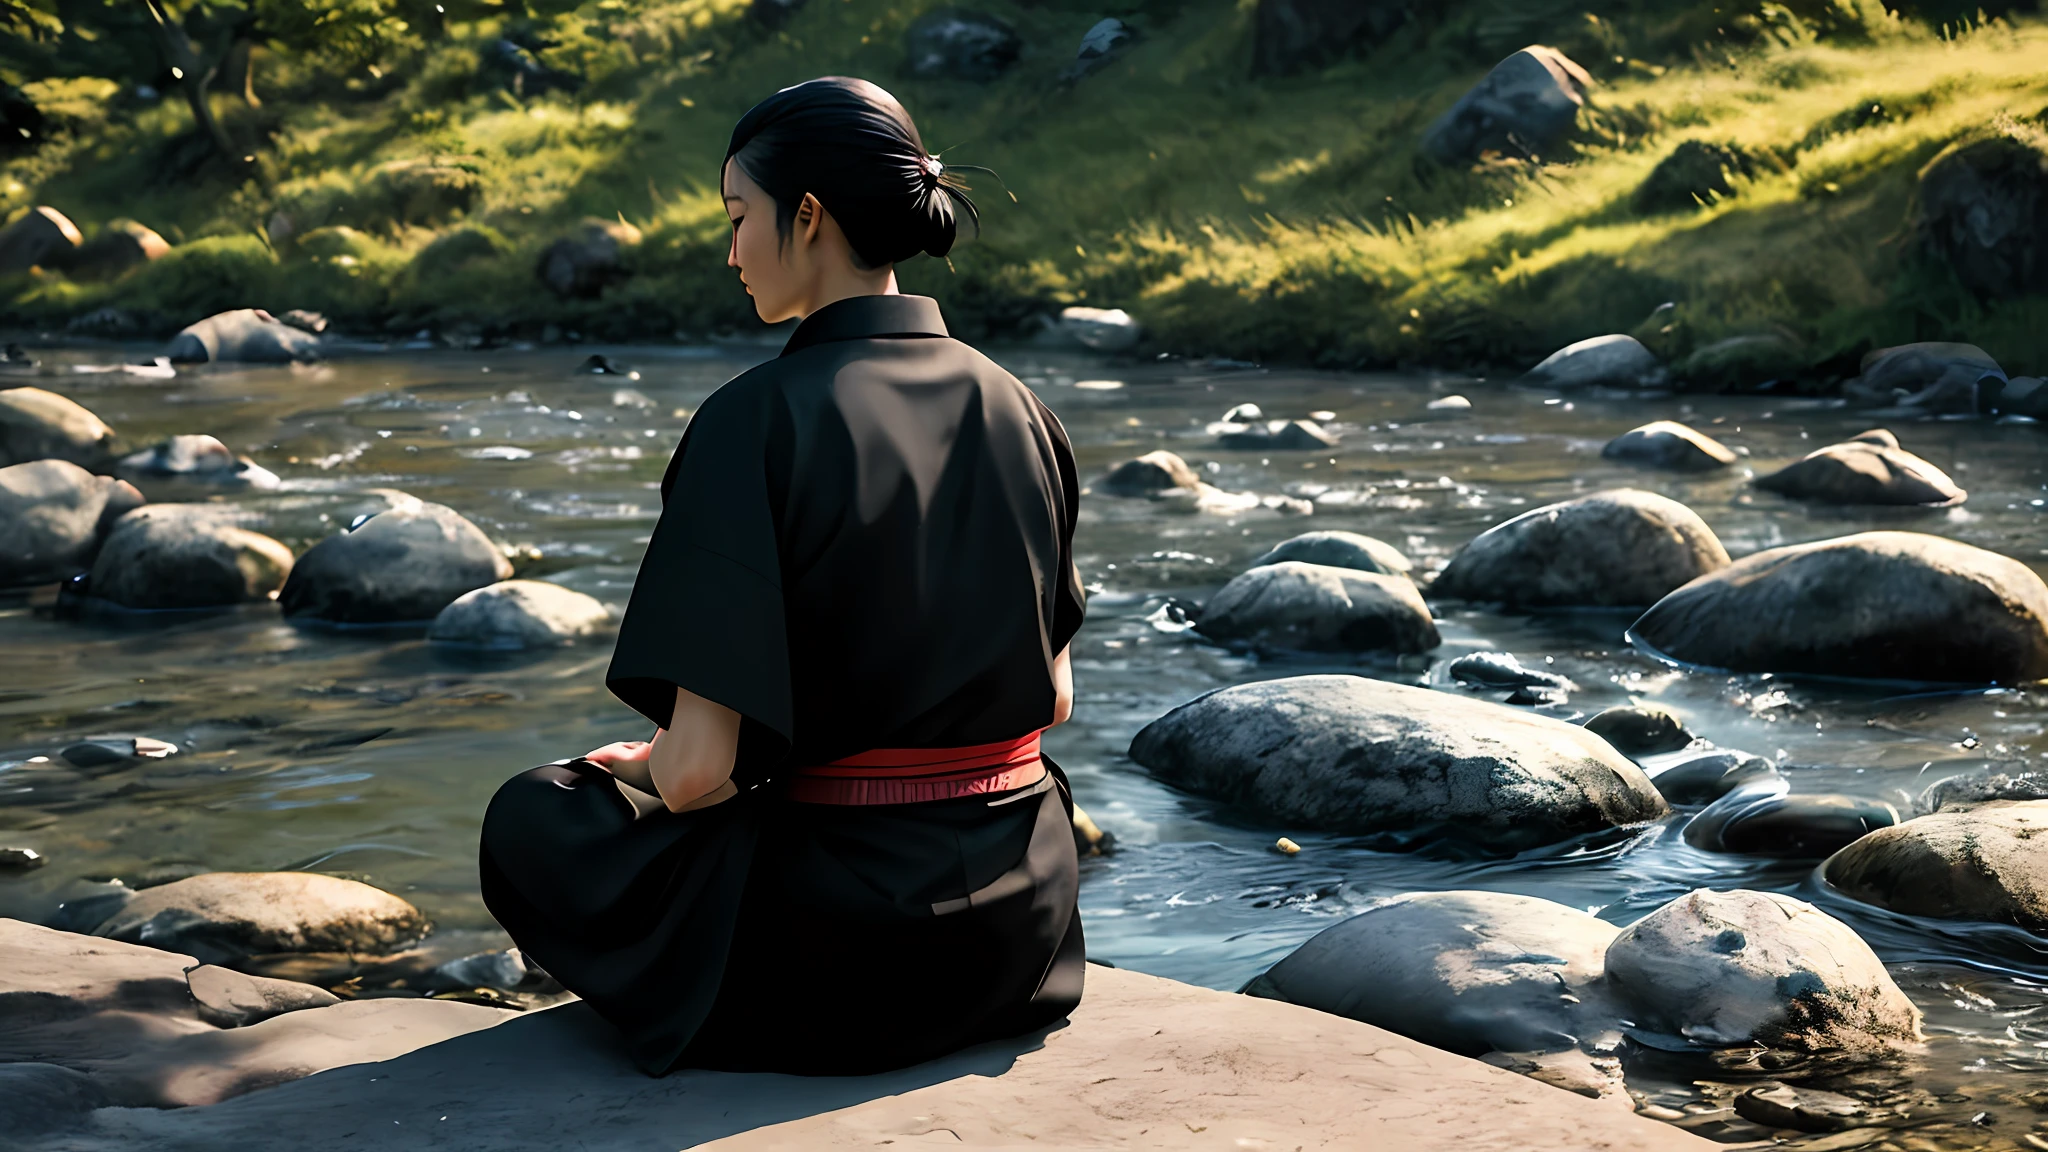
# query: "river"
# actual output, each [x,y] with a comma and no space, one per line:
[372,755]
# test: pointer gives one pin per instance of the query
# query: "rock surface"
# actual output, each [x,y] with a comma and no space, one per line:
[1966,862]
[1723,969]
[1704,779]
[1347,754]
[1669,445]
[1699,172]
[44,238]
[1640,730]
[1467,972]
[1622,548]
[1525,107]
[184,556]
[138,1027]
[1932,377]
[400,566]
[1278,436]
[1802,1109]
[581,265]
[1310,607]
[519,614]
[1860,472]
[1601,362]
[54,516]
[1502,670]
[1879,605]
[221,917]
[200,459]
[38,425]
[246,336]
[1769,823]
[1291,36]
[955,44]
[1339,550]
[1153,474]
[121,245]
[1982,209]
[1145,1062]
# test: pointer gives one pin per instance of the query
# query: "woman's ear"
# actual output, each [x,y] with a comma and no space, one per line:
[810,216]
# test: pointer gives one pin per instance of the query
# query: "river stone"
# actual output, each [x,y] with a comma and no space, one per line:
[1339,550]
[54,516]
[1602,362]
[1638,730]
[44,238]
[955,44]
[519,614]
[1669,445]
[1863,473]
[1878,605]
[1153,474]
[1786,827]
[244,335]
[202,459]
[1982,209]
[1469,972]
[1622,548]
[1278,436]
[1525,107]
[1968,862]
[39,425]
[1978,788]
[1802,1109]
[1704,779]
[1291,36]
[1502,670]
[231,999]
[1096,329]
[1352,755]
[400,566]
[184,556]
[1933,377]
[1730,969]
[1312,607]
[221,917]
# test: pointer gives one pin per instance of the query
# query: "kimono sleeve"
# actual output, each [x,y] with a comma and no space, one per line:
[706,612]
[1070,601]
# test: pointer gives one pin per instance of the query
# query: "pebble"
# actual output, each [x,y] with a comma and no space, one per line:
[1286,847]
[1450,404]
[1502,670]
[21,859]
[1804,1109]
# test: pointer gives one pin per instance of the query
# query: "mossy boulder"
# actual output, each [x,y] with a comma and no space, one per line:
[1982,210]
[1700,172]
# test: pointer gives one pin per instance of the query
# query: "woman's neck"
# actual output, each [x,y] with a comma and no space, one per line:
[833,288]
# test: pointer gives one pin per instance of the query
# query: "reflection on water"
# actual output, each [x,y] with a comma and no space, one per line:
[373,755]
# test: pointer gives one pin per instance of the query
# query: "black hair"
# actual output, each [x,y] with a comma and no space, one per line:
[851,144]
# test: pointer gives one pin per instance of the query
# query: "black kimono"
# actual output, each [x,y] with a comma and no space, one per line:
[864,544]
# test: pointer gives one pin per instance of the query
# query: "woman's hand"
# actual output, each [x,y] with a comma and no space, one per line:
[619,752]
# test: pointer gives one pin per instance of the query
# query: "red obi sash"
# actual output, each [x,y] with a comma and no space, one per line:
[916,775]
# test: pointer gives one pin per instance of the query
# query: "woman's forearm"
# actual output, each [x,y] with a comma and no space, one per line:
[693,757]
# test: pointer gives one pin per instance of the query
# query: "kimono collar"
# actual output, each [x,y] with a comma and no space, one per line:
[868,318]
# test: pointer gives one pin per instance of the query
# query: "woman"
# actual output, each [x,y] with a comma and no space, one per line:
[842,851]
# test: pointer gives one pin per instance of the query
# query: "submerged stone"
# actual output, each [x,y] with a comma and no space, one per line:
[1880,605]
[519,614]
[1704,779]
[1769,823]
[1348,754]
[1729,969]
[1469,972]
[1311,607]
[1669,445]
[1623,548]
[1339,550]
[1640,730]
[1864,472]
[1614,361]
[1153,474]
[1502,670]
[400,566]
[1980,862]
[245,335]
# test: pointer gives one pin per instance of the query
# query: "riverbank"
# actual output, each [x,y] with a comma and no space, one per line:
[1760,171]
[1144,1063]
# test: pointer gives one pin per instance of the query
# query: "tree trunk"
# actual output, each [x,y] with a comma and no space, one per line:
[192,77]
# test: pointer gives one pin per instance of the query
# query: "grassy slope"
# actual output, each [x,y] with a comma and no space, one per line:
[1280,219]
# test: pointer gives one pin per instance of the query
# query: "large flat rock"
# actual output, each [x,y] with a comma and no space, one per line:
[1145,1063]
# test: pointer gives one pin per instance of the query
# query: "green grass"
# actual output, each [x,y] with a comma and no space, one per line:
[1280,220]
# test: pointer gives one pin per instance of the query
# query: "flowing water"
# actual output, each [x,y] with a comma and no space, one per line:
[373,754]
